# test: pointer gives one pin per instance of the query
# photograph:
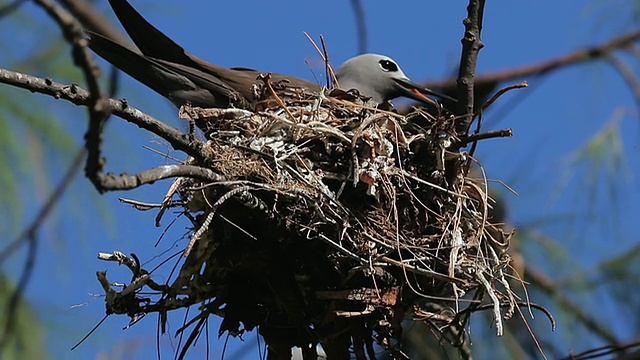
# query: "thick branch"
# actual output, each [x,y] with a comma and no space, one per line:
[471,45]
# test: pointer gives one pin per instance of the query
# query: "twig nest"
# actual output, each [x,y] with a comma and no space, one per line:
[334,222]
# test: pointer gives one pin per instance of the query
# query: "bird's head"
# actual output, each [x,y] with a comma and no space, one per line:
[381,78]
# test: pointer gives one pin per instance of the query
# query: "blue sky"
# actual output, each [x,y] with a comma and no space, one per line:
[550,120]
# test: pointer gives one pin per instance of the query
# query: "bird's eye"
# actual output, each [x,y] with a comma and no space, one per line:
[388,65]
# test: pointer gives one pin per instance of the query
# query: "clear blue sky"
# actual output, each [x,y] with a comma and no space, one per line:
[550,120]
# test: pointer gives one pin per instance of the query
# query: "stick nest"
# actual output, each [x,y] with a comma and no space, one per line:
[330,222]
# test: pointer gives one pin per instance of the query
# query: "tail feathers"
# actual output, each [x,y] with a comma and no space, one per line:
[131,62]
[179,83]
[151,41]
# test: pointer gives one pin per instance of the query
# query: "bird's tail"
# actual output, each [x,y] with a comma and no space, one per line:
[151,41]
[128,60]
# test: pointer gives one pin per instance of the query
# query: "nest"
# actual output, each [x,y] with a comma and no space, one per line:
[330,222]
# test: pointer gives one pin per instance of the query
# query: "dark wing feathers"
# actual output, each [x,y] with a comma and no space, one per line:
[168,69]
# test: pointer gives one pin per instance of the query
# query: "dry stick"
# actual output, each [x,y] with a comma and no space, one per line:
[324,58]
[526,304]
[426,272]
[212,211]
[97,104]
[471,45]
[73,34]
[497,318]
[330,73]
[327,73]
[167,200]
[284,106]
[314,45]
[140,205]
[486,135]
[495,97]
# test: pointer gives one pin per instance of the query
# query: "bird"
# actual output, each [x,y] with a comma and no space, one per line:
[381,78]
[183,78]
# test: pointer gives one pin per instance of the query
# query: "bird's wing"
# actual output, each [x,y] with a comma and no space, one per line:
[157,47]
[213,83]
[179,83]
[152,42]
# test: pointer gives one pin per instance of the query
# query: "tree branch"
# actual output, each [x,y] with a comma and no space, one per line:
[79,96]
[574,57]
[112,182]
[471,45]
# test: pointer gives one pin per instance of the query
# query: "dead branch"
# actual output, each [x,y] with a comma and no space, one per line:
[471,45]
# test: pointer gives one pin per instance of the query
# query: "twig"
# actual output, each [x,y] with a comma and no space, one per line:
[331,74]
[527,304]
[265,79]
[500,93]
[485,135]
[139,205]
[122,259]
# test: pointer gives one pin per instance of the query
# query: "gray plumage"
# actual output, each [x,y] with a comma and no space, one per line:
[373,75]
[167,68]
